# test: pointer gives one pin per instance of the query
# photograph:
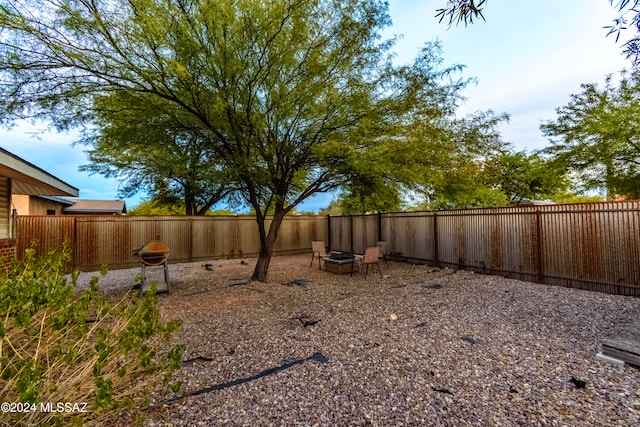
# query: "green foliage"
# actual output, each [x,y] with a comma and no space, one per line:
[60,345]
[155,207]
[276,101]
[597,136]
[570,197]
[460,158]
[152,207]
[333,208]
[521,176]
[152,149]
[366,197]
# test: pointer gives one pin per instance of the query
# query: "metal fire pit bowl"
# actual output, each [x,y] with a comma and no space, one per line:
[153,254]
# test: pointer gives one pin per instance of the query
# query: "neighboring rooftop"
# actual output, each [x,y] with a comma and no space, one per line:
[84,206]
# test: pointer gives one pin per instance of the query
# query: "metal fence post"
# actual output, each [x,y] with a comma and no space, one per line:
[329,232]
[539,246]
[436,255]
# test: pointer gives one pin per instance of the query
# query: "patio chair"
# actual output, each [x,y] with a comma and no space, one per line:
[383,251]
[371,256]
[319,249]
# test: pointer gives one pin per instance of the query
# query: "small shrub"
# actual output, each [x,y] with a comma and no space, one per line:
[63,347]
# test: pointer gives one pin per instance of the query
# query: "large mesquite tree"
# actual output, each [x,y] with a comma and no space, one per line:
[288,96]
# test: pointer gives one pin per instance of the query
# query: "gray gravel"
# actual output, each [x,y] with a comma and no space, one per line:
[421,346]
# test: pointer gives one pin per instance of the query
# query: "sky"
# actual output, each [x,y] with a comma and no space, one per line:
[527,59]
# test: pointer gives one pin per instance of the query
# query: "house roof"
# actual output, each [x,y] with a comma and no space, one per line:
[29,179]
[60,200]
[82,206]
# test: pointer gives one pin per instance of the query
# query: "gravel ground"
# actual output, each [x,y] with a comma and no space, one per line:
[419,346]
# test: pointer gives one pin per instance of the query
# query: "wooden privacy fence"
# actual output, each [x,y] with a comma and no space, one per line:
[97,240]
[594,246]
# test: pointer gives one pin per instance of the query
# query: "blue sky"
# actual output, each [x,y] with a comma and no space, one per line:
[528,58]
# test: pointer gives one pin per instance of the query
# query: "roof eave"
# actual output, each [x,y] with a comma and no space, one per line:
[31,180]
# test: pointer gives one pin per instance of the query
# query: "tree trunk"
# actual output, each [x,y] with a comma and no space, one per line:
[267,243]
[188,201]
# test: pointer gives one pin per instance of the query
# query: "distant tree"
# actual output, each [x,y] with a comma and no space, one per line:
[151,207]
[333,208]
[161,207]
[153,149]
[521,176]
[221,212]
[460,156]
[573,197]
[361,199]
[287,95]
[441,162]
[597,135]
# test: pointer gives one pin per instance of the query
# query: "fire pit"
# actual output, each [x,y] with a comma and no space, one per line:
[153,254]
[341,263]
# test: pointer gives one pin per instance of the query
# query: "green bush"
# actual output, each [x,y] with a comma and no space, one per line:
[81,353]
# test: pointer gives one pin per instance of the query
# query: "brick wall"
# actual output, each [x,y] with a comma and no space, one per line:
[7,252]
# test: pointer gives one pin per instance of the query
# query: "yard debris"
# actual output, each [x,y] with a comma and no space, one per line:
[345,295]
[421,325]
[578,383]
[208,267]
[238,281]
[306,320]
[198,359]
[434,286]
[442,390]
[470,340]
[298,282]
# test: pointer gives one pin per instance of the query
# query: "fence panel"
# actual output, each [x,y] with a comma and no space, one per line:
[296,233]
[216,237]
[594,246]
[98,240]
[410,236]
[50,233]
[340,234]
[496,241]
[365,232]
